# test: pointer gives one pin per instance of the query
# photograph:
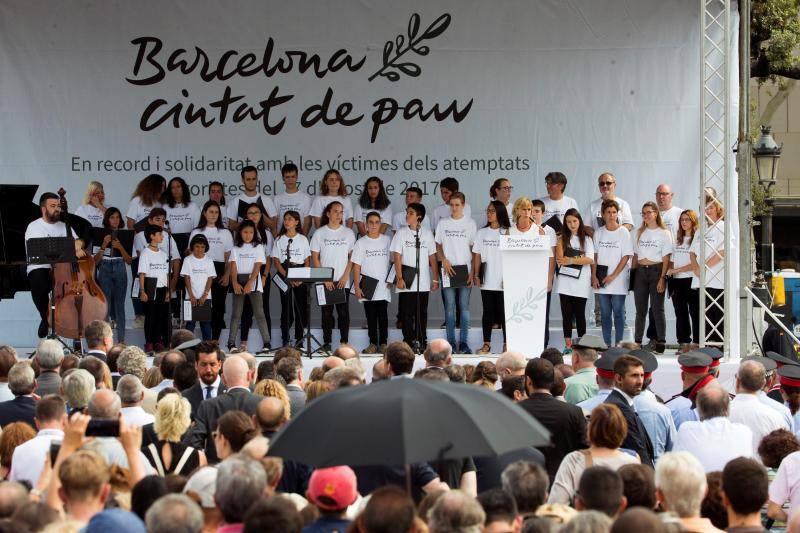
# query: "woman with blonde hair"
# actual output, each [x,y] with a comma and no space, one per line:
[652,250]
[168,455]
[274,389]
[152,377]
[93,207]
[685,299]
[315,389]
[714,259]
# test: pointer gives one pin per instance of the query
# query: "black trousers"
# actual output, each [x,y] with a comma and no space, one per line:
[218,296]
[493,313]
[39,281]
[546,320]
[342,318]
[572,308]
[247,313]
[686,302]
[377,321]
[293,310]
[408,312]
[715,305]
[156,318]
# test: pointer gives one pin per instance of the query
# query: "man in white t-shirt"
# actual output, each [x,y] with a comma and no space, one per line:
[593,216]
[556,203]
[293,199]
[454,239]
[251,196]
[49,225]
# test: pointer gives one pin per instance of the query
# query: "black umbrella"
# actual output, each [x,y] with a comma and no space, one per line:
[405,421]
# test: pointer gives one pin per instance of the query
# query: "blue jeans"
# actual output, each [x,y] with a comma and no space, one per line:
[205,329]
[113,277]
[450,296]
[612,305]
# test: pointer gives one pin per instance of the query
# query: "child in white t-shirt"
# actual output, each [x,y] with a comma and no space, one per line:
[198,273]
[373,198]
[292,249]
[371,258]
[153,267]
[246,260]
[332,189]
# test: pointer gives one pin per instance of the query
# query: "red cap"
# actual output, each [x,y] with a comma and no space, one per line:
[608,374]
[789,382]
[714,363]
[695,369]
[332,488]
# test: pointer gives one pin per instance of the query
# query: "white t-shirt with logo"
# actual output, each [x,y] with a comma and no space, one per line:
[245,257]
[296,201]
[38,229]
[334,247]
[374,258]
[404,243]
[266,201]
[182,218]
[533,231]
[399,221]
[681,257]
[580,287]
[92,214]
[609,248]
[652,244]
[360,214]
[457,238]
[154,265]
[487,245]
[137,211]
[625,216]
[715,235]
[299,249]
[671,218]
[220,242]
[140,243]
[321,202]
[557,207]
[198,270]
[443,211]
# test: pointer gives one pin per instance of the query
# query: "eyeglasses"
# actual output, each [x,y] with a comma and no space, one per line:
[491,210]
[663,193]
[507,188]
[648,213]
[605,183]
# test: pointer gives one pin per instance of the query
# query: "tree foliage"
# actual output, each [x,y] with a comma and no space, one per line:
[775,40]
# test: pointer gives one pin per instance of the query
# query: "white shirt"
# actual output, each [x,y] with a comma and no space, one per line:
[5,392]
[609,248]
[220,242]
[457,237]
[443,211]
[652,244]
[140,243]
[781,409]
[300,249]
[163,385]
[92,214]
[714,442]
[27,461]
[266,201]
[374,258]
[137,211]
[747,409]
[198,270]
[182,218]
[399,222]
[39,228]
[681,257]
[296,201]
[360,214]
[715,235]
[404,243]
[154,265]
[214,387]
[557,207]
[582,286]
[136,416]
[321,202]
[245,257]
[671,218]
[594,212]
[487,246]
[334,247]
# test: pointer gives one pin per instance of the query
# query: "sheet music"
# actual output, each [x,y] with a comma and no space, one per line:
[280,283]
[321,294]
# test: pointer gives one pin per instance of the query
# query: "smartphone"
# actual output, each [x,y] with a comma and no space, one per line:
[55,447]
[103,428]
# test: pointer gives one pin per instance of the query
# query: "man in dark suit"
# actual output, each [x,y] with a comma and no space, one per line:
[628,382]
[49,355]
[21,382]
[208,364]
[291,370]
[566,422]
[238,397]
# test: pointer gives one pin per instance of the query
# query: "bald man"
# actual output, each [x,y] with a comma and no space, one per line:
[670,213]
[438,354]
[237,375]
[250,359]
[510,364]
[379,371]
[331,362]
[270,415]
[345,352]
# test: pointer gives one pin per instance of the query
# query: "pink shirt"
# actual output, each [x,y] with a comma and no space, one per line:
[786,485]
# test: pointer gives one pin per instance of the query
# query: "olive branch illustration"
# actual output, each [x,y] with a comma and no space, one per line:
[394,50]
[521,310]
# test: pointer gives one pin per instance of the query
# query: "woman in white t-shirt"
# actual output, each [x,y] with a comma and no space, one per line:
[292,249]
[487,272]
[373,198]
[198,274]
[574,252]
[111,259]
[246,260]
[613,250]
[146,196]
[652,249]
[93,207]
[715,257]
[332,189]
[183,215]
[685,299]
[220,242]
[330,247]
[216,192]
[371,258]
[256,215]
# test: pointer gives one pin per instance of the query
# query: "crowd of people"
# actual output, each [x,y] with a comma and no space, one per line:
[243,246]
[115,441]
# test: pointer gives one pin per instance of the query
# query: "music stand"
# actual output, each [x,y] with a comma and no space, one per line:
[51,251]
[309,276]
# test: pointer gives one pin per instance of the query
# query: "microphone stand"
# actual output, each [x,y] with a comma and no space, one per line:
[417,318]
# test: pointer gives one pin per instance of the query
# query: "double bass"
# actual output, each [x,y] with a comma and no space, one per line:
[77,298]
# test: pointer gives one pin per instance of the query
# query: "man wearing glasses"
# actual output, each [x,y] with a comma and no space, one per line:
[556,203]
[670,214]
[594,217]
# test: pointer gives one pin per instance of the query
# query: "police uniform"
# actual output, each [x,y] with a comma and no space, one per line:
[682,405]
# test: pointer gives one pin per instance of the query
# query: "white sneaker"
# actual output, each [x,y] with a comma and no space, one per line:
[138,322]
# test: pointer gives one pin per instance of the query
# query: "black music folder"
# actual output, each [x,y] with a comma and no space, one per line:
[555,223]
[601,272]
[572,271]
[241,209]
[409,273]
[368,285]
[125,237]
[326,297]
[459,279]
[482,273]
[150,288]
[197,313]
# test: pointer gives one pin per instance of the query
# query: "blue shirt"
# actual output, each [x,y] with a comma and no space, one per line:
[657,420]
[327,525]
[682,411]
[594,401]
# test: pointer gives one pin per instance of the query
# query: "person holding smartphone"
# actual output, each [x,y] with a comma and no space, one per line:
[246,260]
[371,258]
[111,260]
[292,249]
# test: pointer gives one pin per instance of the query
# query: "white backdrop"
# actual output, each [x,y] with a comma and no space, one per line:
[581,86]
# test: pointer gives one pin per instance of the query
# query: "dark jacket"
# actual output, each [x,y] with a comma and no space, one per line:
[196,394]
[209,411]
[637,438]
[20,409]
[566,423]
[48,382]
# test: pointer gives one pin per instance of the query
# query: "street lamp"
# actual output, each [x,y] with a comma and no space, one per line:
[766,152]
